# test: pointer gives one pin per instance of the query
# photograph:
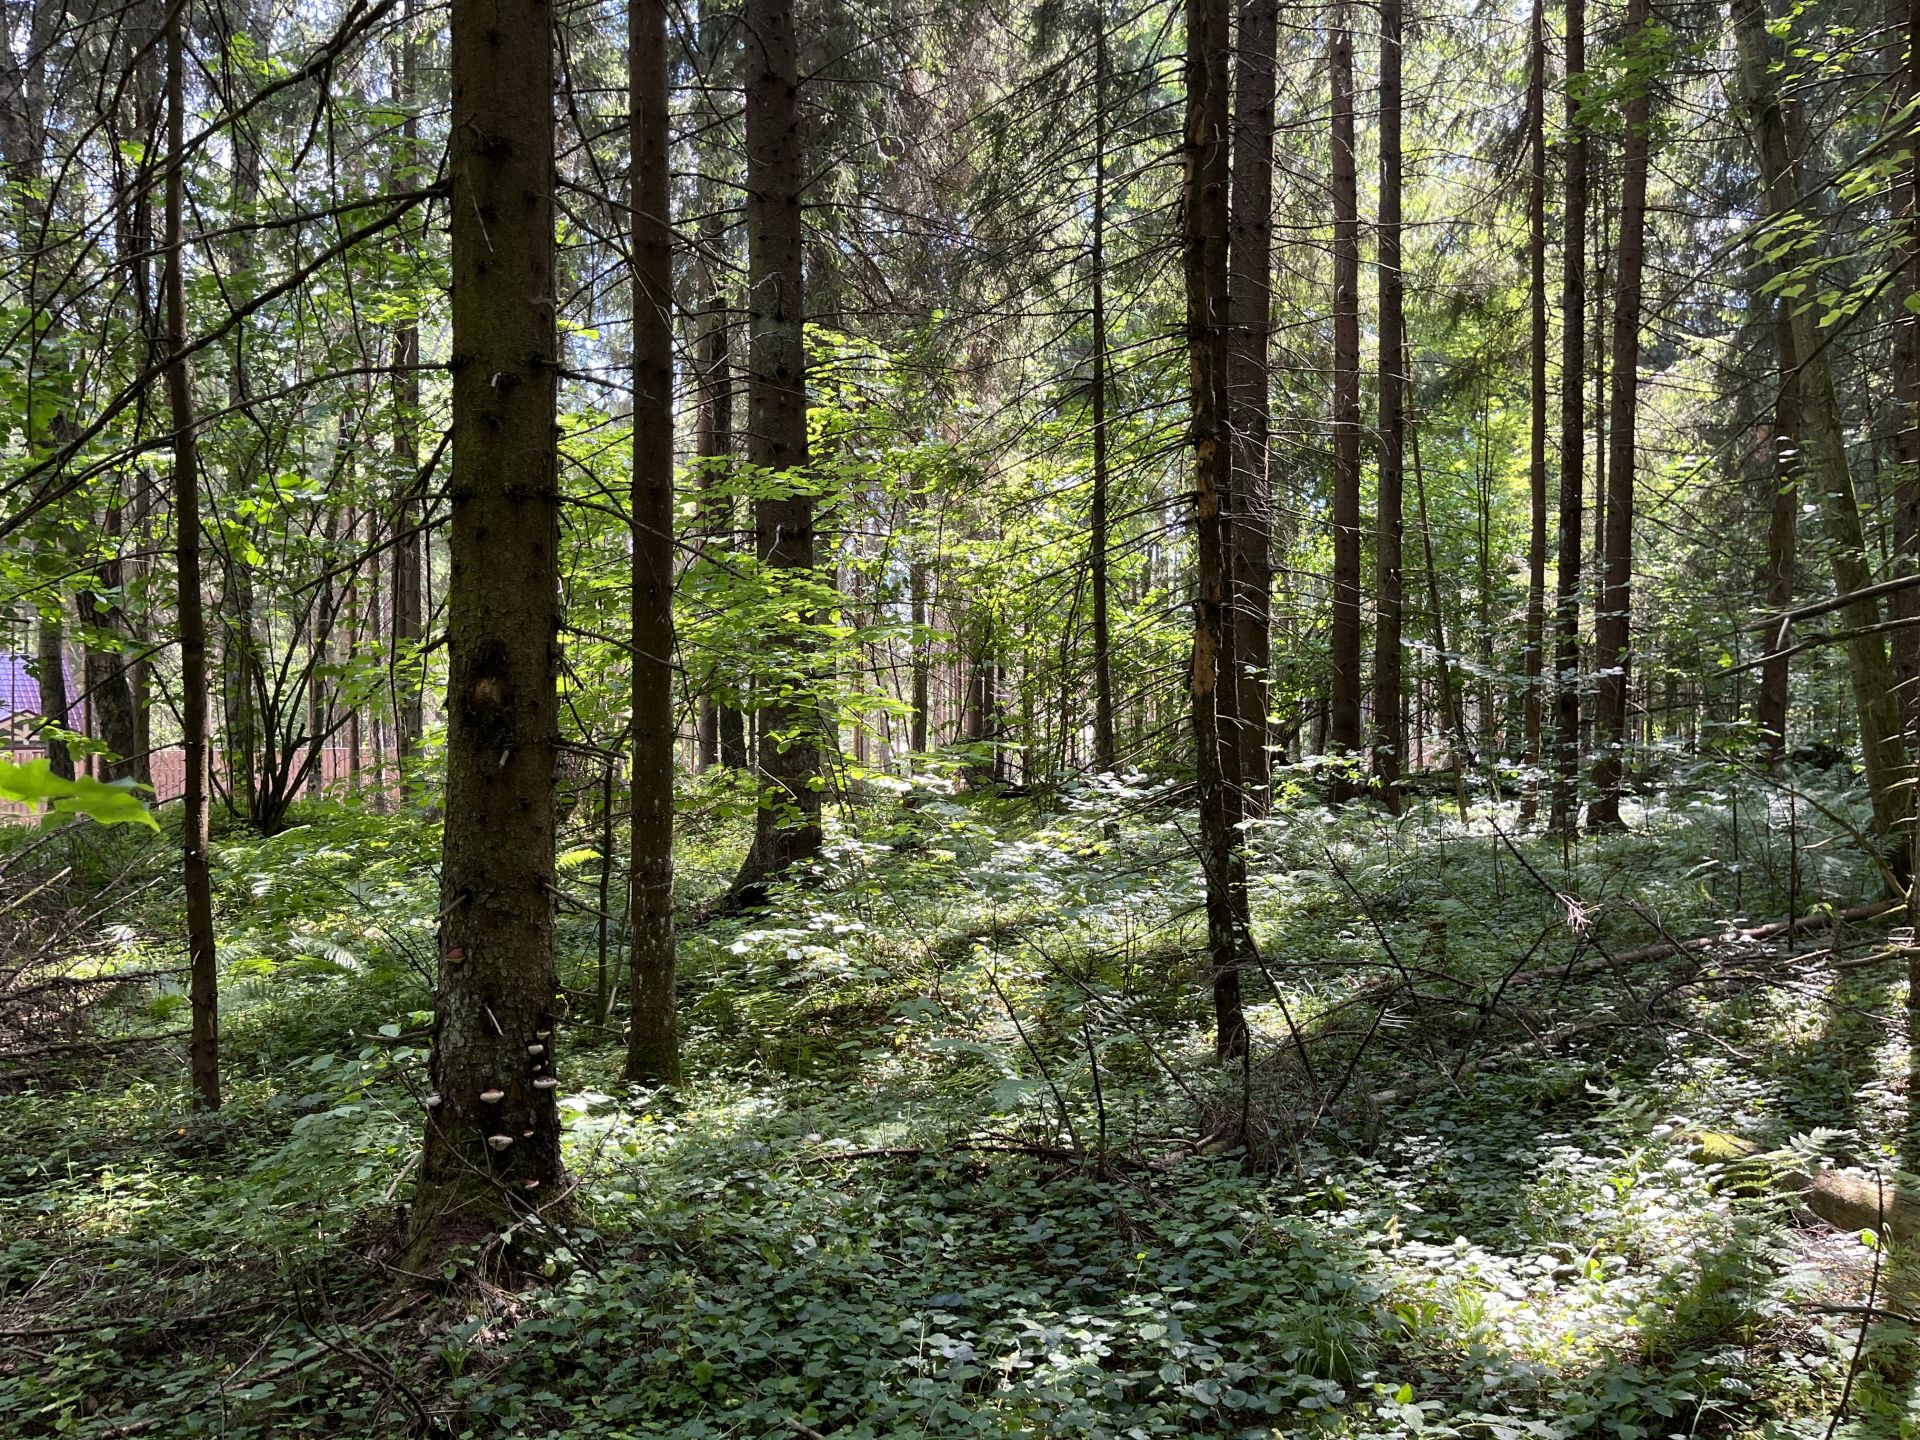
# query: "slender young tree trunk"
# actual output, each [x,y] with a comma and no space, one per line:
[320,645]
[1389,736]
[355,602]
[1452,711]
[922,659]
[406,678]
[202,985]
[1603,258]
[1770,704]
[720,739]
[1344,720]
[787,826]
[240,661]
[1489,716]
[722,723]
[1534,663]
[1216,754]
[653,1041]
[1573,307]
[1104,753]
[493,1131]
[1825,454]
[1612,660]
[1249,425]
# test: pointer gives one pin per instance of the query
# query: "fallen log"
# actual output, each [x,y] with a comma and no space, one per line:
[1851,1200]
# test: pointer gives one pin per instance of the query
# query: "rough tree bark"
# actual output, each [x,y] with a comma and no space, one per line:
[1534,662]
[50,672]
[1249,342]
[1563,814]
[653,1041]
[723,739]
[1104,752]
[1389,736]
[405,678]
[1216,755]
[1343,731]
[1612,660]
[493,1132]
[787,825]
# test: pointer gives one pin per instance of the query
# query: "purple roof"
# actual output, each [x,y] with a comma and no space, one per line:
[19,691]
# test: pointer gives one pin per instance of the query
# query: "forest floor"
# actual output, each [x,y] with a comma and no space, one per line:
[955,1159]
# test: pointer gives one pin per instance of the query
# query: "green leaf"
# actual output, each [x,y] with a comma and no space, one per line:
[104,802]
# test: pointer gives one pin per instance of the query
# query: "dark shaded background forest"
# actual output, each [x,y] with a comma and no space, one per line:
[806,718]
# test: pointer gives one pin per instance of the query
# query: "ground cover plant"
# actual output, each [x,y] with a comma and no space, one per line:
[959,1160]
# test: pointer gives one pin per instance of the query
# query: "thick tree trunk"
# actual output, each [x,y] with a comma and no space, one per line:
[50,672]
[1104,752]
[1573,305]
[203,982]
[653,1041]
[1344,718]
[1824,446]
[1612,660]
[787,826]
[1212,688]
[1249,342]
[1389,736]
[493,1131]
[1534,661]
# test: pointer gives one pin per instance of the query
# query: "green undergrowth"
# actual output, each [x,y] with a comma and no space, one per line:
[952,1161]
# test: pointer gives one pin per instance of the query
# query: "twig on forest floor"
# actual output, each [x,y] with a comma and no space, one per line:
[915,1152]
